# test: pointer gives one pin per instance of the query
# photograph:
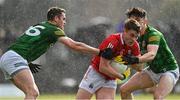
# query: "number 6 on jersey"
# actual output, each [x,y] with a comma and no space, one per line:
[34,31]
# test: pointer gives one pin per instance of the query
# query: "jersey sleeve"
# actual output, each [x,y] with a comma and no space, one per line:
[109,42]
[56,33]
[59,32]
[154,38]
[136,49]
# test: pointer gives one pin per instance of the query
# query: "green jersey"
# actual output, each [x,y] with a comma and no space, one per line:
[164,59]
[36,40]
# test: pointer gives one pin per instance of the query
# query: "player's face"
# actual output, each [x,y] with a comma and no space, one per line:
[130,36]
[61,21]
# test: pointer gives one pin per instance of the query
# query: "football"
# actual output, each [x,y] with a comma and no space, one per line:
[121,68]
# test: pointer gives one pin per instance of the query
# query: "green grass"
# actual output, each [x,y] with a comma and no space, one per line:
[72,97]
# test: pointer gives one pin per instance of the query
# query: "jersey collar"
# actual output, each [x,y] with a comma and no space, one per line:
[121,38]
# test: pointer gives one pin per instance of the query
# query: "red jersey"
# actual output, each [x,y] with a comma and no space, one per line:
[118,46]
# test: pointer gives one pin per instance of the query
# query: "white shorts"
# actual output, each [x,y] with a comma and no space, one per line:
[11,63]
[156,77]
[92,81]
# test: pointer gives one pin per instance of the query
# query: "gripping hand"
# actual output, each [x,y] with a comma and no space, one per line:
[126,73]
[130,59]
[106,53]
[34,67]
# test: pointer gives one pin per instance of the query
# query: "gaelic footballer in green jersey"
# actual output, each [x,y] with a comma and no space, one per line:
[36,40]
[164,59]
[16,62]
[162,71]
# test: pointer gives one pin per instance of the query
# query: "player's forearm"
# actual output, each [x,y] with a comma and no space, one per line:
[111,72]
[147,57]
[82,47]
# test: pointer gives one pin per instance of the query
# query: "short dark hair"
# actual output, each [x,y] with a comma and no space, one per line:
[137,12]
[132,24]
[54,11]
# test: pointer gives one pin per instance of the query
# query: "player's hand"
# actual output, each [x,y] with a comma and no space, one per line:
[34,67]
[130,59]
[106,53]
[126,73]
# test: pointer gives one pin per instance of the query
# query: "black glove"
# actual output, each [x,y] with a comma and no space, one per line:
[34,67]
[124,77]
[106,53]
[130,59]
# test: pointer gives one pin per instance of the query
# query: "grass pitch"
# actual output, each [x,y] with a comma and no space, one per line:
[72,97]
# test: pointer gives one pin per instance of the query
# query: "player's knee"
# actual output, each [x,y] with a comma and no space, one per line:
[158,95]
[108,97]
[124,90]
[32,92]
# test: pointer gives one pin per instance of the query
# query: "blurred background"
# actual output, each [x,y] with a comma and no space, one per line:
[88,21]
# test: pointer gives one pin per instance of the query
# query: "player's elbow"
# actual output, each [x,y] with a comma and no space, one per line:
[102,70]
[103,66]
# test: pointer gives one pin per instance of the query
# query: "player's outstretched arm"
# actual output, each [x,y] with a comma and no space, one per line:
[78,46]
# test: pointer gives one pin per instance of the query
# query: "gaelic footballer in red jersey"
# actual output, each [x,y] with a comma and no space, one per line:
[119,47]
[100,76]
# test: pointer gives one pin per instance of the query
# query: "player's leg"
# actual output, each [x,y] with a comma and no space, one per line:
[164,87]
[24,80]
[107,90]
[139,80]
[166,84]
[105,93]
[88,84]
[16,69]
[83,94]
